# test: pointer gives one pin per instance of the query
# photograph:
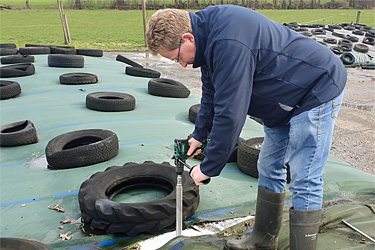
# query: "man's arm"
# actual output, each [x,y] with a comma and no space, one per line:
[233,67]
[203,122]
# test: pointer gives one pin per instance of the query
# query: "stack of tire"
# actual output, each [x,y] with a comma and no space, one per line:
[351,42]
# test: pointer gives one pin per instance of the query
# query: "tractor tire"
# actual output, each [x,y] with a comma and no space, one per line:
[102,213]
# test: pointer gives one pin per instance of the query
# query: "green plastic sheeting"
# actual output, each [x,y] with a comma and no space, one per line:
[28,187]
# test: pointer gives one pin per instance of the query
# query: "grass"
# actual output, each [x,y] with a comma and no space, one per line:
[97,3]
[114,30]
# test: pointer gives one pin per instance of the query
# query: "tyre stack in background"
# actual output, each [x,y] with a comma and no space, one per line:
[353,43]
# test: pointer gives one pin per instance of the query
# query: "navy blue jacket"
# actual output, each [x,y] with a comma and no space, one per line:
[253,65]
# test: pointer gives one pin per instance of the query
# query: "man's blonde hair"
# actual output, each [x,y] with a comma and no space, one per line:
[165,29]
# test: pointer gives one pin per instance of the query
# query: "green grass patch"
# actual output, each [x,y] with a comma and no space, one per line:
[114,30]
[100,3]
[33,3]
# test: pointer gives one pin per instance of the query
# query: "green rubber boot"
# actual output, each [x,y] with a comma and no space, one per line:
[268,217]
[304,228]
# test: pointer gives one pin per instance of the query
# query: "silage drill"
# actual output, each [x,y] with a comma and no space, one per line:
[181,147]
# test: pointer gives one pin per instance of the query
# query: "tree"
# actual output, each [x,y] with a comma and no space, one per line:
[77,4]
[283,5]
[301,4]
[312,4]
[290,4]
[119,4]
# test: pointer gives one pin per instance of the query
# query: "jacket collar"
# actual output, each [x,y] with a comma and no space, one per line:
[200,33]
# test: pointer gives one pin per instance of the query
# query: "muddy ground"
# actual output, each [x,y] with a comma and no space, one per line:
[354,136]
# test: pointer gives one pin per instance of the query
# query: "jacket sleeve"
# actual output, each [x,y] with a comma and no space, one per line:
[203,123]
[232,65]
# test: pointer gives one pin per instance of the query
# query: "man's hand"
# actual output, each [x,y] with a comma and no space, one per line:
[198,176]
[193,144]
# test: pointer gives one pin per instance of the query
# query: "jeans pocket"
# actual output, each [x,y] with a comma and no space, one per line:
[336,105]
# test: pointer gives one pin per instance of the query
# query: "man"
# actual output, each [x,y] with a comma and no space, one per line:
[251,65]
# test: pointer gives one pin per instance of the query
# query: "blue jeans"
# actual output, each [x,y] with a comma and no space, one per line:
[304,143]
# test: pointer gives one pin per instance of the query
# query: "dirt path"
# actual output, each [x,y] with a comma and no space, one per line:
[354,137]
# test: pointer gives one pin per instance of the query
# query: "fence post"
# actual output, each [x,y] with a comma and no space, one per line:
[144,19]
[64,23]
[358,16]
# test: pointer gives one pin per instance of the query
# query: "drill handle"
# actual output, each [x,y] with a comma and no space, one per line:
[202,147]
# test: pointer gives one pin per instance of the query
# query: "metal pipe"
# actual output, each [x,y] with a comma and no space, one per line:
[357,230]
[179,205]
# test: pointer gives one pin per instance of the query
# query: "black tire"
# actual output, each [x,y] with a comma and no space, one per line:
[361,48]
[63,50]
[81,148]
[346,42]
[8,45]
[358,32]
[349,27]
[248,154]
[18,134]
[301,29]
[17,70]
[34,50]
[329,29]
[353,39]
[102,213]
[330,40]
[9,89]
[318,31]
[36,45]
[142,72]
[370,33]
[338,34]
[128,61]
[193,112]
[337,50]
[66,61]
[347,58]
[78,78]
[306,33]
[110,101]
[17,59]
[346,47]
[90,52]
[8,51]
[369,40]
[335,26]
[22,244]
[167,88]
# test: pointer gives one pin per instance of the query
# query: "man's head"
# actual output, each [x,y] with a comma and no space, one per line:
[169,34]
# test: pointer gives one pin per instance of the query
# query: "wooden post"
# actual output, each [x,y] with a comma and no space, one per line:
[64,23]
[358,16]
[67,29]
[144,19]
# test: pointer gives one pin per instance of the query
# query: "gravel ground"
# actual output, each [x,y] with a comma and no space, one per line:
[354,136]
